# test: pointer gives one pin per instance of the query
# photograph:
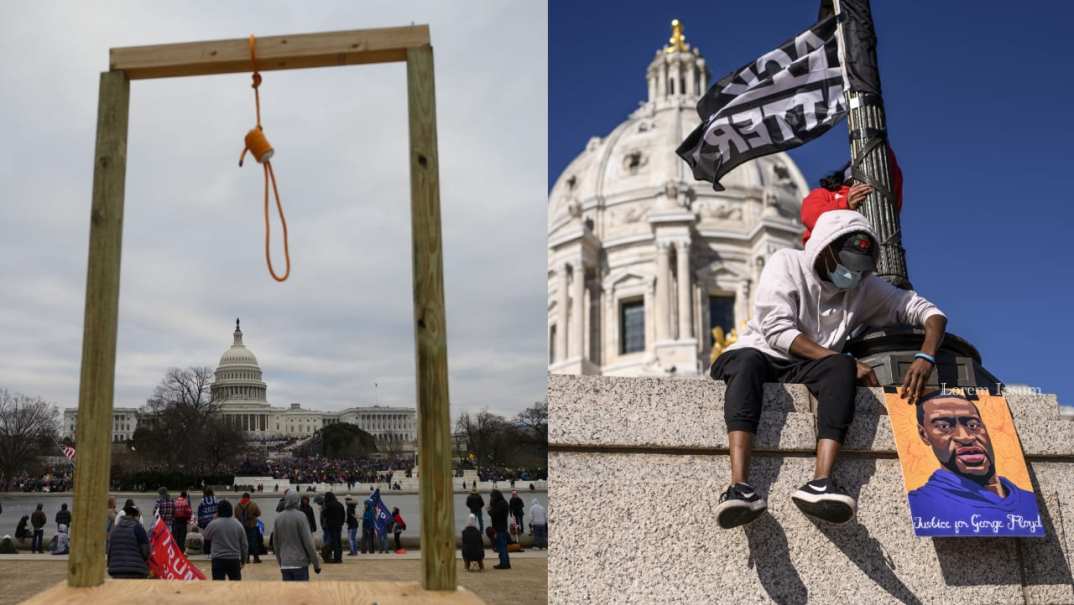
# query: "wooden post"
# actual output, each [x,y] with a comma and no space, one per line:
[85,566]
[434,418]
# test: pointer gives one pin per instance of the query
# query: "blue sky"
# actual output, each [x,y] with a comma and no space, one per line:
[978,101]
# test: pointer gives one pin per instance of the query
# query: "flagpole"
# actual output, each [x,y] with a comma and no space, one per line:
[867,127]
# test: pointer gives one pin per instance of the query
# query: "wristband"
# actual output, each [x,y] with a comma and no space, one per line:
[926,357]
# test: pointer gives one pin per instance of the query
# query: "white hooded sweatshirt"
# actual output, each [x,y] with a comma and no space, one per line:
[792,299]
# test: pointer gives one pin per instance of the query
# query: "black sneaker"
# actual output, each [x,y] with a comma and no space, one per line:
[739,505]
[822,499]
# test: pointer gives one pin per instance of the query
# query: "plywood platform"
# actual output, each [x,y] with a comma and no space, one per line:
[130,592]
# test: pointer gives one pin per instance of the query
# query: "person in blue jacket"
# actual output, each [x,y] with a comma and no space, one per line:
[966,490]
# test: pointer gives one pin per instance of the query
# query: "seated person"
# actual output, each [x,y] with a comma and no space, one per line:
[808,303]
[63,541]
[473,550]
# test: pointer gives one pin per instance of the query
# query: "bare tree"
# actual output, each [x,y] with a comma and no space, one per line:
[534,420]
[190,388]
[182,430]
[29,429]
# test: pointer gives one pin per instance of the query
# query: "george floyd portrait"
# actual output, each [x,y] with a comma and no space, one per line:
[963,468]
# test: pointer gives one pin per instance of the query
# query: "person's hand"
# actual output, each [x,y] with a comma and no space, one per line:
[317,570]
[914,381]
[866,375]
[857,195]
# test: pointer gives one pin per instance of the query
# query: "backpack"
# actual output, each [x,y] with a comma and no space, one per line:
[183,511]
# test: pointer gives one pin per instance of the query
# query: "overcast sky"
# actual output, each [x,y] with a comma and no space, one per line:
[192,240]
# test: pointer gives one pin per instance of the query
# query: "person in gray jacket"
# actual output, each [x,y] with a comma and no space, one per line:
[230,546]
[293,543]
[808,304]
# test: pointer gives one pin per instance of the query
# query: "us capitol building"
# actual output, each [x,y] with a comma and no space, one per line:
[240,395]
[644,262]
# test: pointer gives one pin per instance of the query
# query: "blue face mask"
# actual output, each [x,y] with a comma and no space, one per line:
[844,278]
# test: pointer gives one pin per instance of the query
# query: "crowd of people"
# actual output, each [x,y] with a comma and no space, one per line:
[315,469]
[53,478]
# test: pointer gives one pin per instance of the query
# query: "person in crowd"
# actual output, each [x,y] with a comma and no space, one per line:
[63,516]
[110,514]
[247,513]
[398,527]
[63,541]
[308,511]
[841,191]
[165,507]
[499,510]
[539,525]
[128,546]
[476,504]
[206,514]
[21,531]
[319,501]
[809,302]
[352,528]
[231,543]
[518,509]
[282,502]
[334,517]
[473,550]
[369,534]
[183,513]
[292,542]
[38,521]
[382,533]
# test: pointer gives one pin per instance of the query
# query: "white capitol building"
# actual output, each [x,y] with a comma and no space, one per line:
[644,261]
[240,394]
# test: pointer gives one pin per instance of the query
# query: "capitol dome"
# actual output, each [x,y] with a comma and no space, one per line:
[644,261]
[238,375]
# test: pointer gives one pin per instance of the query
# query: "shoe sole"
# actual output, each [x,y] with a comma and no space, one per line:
[833,508]
[735,513]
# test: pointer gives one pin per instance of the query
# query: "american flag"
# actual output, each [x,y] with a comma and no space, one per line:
[69,452]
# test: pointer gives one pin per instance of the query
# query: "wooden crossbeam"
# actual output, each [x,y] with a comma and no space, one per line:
[299,51]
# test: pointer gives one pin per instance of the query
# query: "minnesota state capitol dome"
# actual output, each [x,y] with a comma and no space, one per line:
[644,261]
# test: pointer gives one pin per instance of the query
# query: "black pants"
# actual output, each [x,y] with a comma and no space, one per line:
[832,380]
[336,541]
[253,540]
[179,534]
[229,568]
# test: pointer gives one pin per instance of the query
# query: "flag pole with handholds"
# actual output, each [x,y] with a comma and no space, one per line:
[889,351]
[868,132]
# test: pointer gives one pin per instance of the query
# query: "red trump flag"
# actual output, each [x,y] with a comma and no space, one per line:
[166,561]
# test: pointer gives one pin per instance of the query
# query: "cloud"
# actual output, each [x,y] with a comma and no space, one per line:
[193,233]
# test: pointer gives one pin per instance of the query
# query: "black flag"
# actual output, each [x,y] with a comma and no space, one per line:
[777,102]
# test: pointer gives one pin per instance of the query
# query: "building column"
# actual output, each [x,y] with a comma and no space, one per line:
[662,88]
[682,256]
[663,292]
[577,311]
[561,314]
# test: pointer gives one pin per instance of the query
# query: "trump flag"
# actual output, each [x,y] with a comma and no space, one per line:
[166,561]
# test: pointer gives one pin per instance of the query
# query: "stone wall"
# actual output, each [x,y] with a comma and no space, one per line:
[639,465]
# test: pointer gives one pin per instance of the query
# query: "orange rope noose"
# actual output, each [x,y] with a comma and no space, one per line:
[259,147]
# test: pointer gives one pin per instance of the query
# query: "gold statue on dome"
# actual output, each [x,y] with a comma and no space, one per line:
[677,42]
